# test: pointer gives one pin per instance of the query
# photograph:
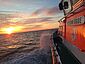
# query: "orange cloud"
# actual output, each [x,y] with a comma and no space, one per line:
[41,26]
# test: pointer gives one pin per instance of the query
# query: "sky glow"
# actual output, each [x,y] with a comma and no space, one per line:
[30,14]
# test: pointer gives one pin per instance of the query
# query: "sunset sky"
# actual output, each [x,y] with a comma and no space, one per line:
[29,15]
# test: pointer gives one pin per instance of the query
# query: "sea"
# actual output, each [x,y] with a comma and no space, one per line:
[25,48]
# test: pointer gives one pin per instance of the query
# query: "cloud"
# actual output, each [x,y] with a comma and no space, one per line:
[53,11]
[40,26]
[6,2]
[46,11]
[27,27]
[35,20]
[31,26]
[9,20]
[38,12]
[20,19]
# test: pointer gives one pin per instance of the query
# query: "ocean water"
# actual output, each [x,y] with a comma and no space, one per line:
[25,48]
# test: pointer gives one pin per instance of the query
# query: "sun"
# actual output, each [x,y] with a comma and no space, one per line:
[9,30]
